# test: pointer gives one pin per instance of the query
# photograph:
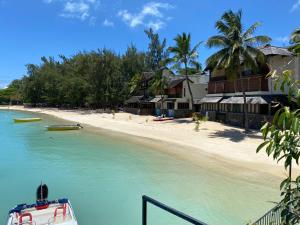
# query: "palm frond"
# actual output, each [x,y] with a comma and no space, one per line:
[295,36]
[222,27]
[218,41]
[258,40]
[249,32]
[214,60]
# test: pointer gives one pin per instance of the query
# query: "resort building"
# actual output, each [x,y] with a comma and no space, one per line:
[177,100]
[140,103]
[224,101]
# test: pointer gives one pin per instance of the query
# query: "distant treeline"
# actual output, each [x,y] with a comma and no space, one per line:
[93,79]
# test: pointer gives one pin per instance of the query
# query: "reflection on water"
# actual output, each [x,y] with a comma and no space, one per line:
[105,177]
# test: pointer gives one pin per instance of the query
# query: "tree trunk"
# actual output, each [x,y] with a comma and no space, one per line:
[189,87]
[246,121]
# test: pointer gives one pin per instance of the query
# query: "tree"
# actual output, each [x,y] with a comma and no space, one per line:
[160,83]
[183,55]
[282,141]
[134,83]
[237,46]
[156,50]
[133,63]
[295,41]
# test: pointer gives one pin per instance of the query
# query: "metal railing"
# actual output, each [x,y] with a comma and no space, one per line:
[175,212]
[272,217]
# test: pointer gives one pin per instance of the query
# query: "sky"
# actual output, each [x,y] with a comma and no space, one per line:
[30,29]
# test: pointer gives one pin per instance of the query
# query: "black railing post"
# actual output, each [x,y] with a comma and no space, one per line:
[168,209]
[144,211]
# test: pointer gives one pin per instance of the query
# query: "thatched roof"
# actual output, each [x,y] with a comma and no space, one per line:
[134,99]
[273,50]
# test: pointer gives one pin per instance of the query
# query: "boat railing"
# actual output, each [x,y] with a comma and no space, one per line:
[146,199]
[272,217]
[28,222]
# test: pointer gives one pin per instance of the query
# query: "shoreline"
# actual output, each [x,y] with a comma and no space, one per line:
[225,144]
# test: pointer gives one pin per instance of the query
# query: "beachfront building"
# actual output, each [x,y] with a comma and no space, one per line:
[140,103]
[224,101]
[177,100]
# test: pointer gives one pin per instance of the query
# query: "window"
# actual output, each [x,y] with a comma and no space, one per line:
[183,92]
[223,107]
[183,105]
[236,108]
[170,105]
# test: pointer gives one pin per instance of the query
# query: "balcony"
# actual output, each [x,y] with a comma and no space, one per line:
[249,84]
[177,95]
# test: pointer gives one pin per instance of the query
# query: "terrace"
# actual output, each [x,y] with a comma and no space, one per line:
[252,83]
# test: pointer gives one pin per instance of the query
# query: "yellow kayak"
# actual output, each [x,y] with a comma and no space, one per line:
[64,127]
[25,120]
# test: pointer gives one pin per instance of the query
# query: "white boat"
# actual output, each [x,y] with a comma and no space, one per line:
[43,212]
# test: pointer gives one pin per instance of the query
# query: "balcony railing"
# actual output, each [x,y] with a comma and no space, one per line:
[248,84]
[177,95]
[168,209]
[272,217]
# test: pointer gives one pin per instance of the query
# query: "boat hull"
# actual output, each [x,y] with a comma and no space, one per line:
[26,120]
[63,128]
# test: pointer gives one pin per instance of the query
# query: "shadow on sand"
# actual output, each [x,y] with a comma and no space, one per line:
[234,135]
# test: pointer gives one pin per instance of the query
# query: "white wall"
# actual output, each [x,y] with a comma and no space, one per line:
[281,64]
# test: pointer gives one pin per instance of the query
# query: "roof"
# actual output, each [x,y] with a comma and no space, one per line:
[174,82]
[250,100]
[134,99]
[273,50]
[207,100]
[156,99]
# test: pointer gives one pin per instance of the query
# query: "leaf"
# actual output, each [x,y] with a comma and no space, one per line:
[261,146]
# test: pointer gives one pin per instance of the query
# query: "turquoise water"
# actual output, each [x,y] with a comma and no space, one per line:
[105,176]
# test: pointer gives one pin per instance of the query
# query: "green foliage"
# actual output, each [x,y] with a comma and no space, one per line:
[156,50]
[11,94]
[282,142]
[184,56]
[134,83]
[198,118]
[295,41]
[88,79]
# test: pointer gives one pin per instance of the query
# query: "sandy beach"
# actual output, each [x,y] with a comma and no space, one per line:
[222,142]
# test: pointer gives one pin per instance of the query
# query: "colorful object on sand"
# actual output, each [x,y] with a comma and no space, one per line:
[64,127]
[26,120]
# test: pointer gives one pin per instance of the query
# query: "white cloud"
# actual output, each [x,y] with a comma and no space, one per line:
[78,9]
[156,25]
[283,39]
[108,23]
[295,6]
[149,10]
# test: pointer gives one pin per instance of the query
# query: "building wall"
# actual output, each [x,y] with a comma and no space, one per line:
[280,64]
[199,90]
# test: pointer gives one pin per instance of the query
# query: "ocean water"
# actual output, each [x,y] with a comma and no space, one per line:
[105,175]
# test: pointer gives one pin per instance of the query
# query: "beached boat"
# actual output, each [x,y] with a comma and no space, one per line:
[43,211]
[64,127]
[160,119]
[24,120]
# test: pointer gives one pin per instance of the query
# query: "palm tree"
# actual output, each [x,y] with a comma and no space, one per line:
[160,83]
[237,46]
[295,41]
[184,56]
